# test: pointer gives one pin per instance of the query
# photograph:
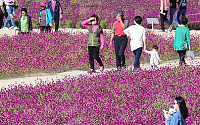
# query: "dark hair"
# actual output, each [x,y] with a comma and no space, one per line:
[97,18]
[182,106]
[138,19]
[24,9]
[184,20]
[155,47]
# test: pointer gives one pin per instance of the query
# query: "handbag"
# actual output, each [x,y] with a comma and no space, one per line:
[186,43]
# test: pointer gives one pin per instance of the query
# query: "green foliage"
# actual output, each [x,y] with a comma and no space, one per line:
[103,24]
[70,24]
[17,23]
[79,25]
[61,25]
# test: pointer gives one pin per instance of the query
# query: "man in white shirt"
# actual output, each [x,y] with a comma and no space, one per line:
[137,34]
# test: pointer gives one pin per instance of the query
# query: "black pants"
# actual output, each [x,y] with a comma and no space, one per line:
[56,24]
[120,43]
[23,33]
[46,28]
[181,54]
[163,18]
[1,19]
[94,53]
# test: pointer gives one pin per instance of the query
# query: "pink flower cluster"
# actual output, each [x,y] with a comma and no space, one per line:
[116,97]
[65,51]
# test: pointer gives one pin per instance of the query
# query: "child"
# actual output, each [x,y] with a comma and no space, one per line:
[155,59]
[45,18]
[25,24]
[95,36]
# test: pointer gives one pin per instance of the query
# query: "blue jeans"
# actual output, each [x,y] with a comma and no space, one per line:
[137,54]
[181,12]
[10,10]
[172,11]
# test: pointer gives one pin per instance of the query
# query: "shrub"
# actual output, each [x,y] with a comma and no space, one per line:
[79,26]
[103,24]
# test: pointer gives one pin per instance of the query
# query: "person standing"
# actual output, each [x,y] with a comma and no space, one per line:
[2,12]
[25,24]
[164,6]
[46,18]
[96,40]
[56,11]
[182,36]
[138,39]
[120,39]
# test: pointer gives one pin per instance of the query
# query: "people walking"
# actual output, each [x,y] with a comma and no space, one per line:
[164,6]
[181,38]
[9,8]
[25,24]
[56,11]
[96,41]
[120,39]
[138,39]
[45,18]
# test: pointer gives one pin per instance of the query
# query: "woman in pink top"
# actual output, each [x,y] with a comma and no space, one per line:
[96,40]
[164,6]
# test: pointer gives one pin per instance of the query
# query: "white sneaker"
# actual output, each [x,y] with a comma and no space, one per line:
[10,28]
[5,28]
[15,28]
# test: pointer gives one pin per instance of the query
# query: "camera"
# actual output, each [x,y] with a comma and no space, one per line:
[92,20]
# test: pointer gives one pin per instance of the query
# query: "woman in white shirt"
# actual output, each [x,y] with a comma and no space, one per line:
[137,34]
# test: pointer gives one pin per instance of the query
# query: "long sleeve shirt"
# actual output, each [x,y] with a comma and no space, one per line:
[86,25]
[53,4]
[176,119]
[154,59]
[178,39]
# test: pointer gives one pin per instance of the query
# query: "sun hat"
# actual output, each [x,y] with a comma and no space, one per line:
[120,12]
[43,3]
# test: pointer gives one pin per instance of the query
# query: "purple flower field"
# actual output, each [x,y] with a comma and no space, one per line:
[116,97]
[65,51]
[78,10]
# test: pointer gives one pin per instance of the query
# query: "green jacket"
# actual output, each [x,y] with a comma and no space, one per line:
[94,38]
[178,40]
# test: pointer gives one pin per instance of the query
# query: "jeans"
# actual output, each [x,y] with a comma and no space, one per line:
[172,11]
[181,54]
[163,18]
[120,43]
[94,53]
[9,18]
[181,12]
[137,54]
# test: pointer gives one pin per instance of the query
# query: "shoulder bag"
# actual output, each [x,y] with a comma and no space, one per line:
[186,43]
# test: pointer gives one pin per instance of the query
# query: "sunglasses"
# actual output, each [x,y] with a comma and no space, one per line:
[175,103]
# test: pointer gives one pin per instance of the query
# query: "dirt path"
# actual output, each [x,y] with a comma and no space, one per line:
[59,76]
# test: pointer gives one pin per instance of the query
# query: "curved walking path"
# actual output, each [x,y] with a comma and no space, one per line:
[59,76]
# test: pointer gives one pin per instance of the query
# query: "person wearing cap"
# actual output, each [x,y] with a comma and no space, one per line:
[56,11]
[45,18]
[120,39]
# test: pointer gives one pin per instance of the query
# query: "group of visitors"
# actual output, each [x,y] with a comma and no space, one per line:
[121,30]
[48,12]
[164,7]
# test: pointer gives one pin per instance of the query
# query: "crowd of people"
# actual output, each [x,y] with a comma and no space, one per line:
[48,12]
